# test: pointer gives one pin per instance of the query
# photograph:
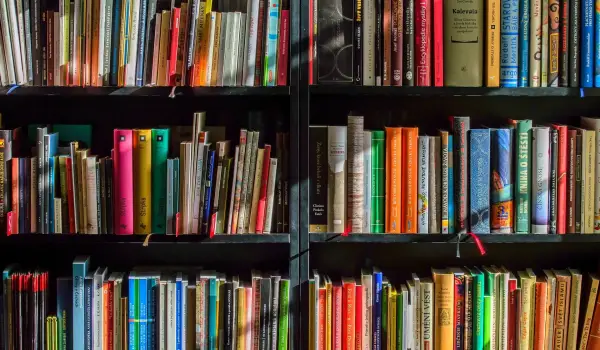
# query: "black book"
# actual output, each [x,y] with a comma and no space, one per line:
[108,168]
[574,38]
[274,310]
[36,37]
[409,43]
[358,48]
[563,53]
[378,42]
[265,314]
[553,178]
[334,46]
[578,175]
[44,45]
[277,220]
[229,311]
[88,285]
[285,179]
[318,178]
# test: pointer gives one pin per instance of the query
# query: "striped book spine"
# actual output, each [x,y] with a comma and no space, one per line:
[502,181]
[423,178]
[540,185]
[524,22]
[479,144]
[509,43]
[378,181]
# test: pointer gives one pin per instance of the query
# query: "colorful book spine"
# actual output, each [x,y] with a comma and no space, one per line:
[478,308]
[479,145]
[423,178]
[272,26]
[123,145]
[540,183]
[493,43]
[553,41]
[561,197]
[438,43]
[208,192]
[377,310]
[378,181]
[553,179]
[160,150]
[143,312]
[459,310]
[409,179]
[502,181]
[563,51]
[444,182]
[393,178]
[574,43]
[80,268]
[597,44]
[535,43]
[509,43]
[142,169]
[423,42]
[461,125]
[523,44]
[523,178]
[451,197]
[587,43]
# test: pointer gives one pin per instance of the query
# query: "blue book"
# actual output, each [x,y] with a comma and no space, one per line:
[131,300]
[212,313]
[377,296]
[479,144]
[523,43]
[139,70]
[80,270]
[64,310]
[50,150]
[210,165]
[502,181]
[89,301]
[587,42]
[509,43]
[143,302]
[450,185]
[597,47]
[151,311]
[270,71]
[115,42]
[178,306]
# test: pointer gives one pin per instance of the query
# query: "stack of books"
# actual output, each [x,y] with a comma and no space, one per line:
[516,179]
[492,43]
[209,187]
[144,42]
[456,308]
[148,308]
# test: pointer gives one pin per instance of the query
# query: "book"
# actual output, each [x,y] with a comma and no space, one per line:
[461,125]
[479,144]
[540,185]
[336,197]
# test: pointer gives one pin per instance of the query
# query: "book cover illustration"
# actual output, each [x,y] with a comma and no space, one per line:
[480,180]
[502,181]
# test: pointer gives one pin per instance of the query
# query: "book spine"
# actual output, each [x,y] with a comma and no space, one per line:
[572,158]
[271,39]
[523,193]
[460,128]
[271,197]
[438,43]
[480,184]
[174,42]
[355,173]
[260,39]
[468,327]
[423,178]
[141,43]
[262,201]
[208,192]
[378,181]
[142,168]
[369,46]
[553,179]
[357,46]
[459,309]
[574,42]
[493,43]
[88,315]
[444,300]
[573,312]
[423,42]
[409,179]
[523,42]
[251,42]
[124,181]
[387,43]
[444,182]
[337,178]
[451,197]
[563,56]
[535,43]
[377,311]
[540,187]
[283,46]
[553,44]
[587,319]
[397,11]
[545,40]
[318,193]
[379,45]
[587,43]
[502,181]
[152,27]
[367,183]
[562,311]
[434,187]
[284,306]
[160,150]
[509,44]
[409,44]
[115,43]
[561,220]
[589,180]
[79,272]
[578,182]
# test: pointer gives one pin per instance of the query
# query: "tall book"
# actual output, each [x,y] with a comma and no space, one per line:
[443,281]
[463,46]
[142,168]
[592,285]
[393,180]
[408,40]
[561,195]
[367,184]
[369,14]
[355,173]
[502,212]
[523,171]
[545,40]
[378,182]
[423,183]
[492,51]
[540,183]
[574,306]
[535,43]
[574,42]
[553,41]
[460,128]
[587,43]
[80,270]
[479,147]
[160,150]
[318,180]
[509,43]
[123,168]
[563,50]
[438,42]
[423,42]
[589,180]
[444,182]
[523,42]
[336,195]
[594,125]
[561,318]
[434,185]
[409,179]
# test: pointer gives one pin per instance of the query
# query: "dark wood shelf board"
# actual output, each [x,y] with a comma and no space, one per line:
[145,91]
[370,238]
[156,239]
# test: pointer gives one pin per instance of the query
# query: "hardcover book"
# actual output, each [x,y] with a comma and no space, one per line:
[540,183]
[524,39]
[336,198]
[355,173]
[460,128]
[378,180]
[492,52]
[553,41]
[509,43]
[535,43]
[523,178]
[423,178]
[479,145]
[335,43]
[318,179]
[502,211]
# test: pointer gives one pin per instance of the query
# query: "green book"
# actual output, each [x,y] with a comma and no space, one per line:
[478,308]
[402,294]
[523,178]
[488,302]
[160,150]
[378,181]
[284,306]
[490,312]
[222,209]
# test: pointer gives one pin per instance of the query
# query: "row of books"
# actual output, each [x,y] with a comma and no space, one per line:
[519,178]
[147,308]
[506,43]
[144,42]
[456,308]
[210,188]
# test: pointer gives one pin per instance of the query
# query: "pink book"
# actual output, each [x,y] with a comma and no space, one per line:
[262,198]
[423,42]
[123,164]
[438,42]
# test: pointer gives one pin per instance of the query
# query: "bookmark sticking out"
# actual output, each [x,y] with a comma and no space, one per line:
[213,225]
[177,222]
[172,93]
[478,243]
[147,240]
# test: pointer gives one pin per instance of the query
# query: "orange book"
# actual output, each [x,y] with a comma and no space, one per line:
[393,183]
[107,342]
[338,316]
[409,179]
[541,306]
[594,339]
[348,314]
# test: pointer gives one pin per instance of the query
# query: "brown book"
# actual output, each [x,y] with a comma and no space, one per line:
[571,177]
[563,290]
[387,42]
[258,67]
[215,51]
[397,33]
[594,338]
[163,49]
[573,315]
[589,312]
[89,42]
[463,44]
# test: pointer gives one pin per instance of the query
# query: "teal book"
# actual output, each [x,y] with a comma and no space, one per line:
[160,150]
[284,309]
[479,152]
[378,181]
[80,270]
[143,312]
[488,306]
[212,313]
[133,316]
[478,308]
[523,176]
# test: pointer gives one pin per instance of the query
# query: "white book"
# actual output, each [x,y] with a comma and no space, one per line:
[545,36]
[233,57]
[535,43]
[228,50]
[134,31]
[160,321]
[7,43]
[367,182]
[369,42]
[409,325]
[594,124]
[540,188]
[198,183]
[101,38]
[3,67]
[225,16]
[367,311]
[241,49]
[210,47]
[270,195]
[171,314]
[92,193]
[232,194]
[250,42]
[98,308]
[16,42]
[355,191]
[57,78]
[417,312]
[423,183]
[26,11]
[23,42]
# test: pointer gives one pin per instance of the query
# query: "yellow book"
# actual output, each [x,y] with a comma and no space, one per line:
[589,311]
[392,315]
[202,50]
[82,188]
[444,309]
[574,305]
[588,169]
[492,53]
[142,184]
[214,74]
[527,285]
[163,48]
[208,7]
[241,318]
[328,313]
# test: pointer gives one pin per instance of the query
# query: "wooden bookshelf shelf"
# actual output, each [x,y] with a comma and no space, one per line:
[155,91]
[156,239]
[320,238]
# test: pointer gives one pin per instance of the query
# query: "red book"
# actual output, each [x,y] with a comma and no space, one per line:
[175,14]
[561,193]
[15,194]
[70,200]
[262,199]
[282,48]
[348,314]
[358,319]
[9,223]
[438,42]
[321,318]
[512,314]
[422,18]
[107,290]
[397,30]
[123,181]
[336,340]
